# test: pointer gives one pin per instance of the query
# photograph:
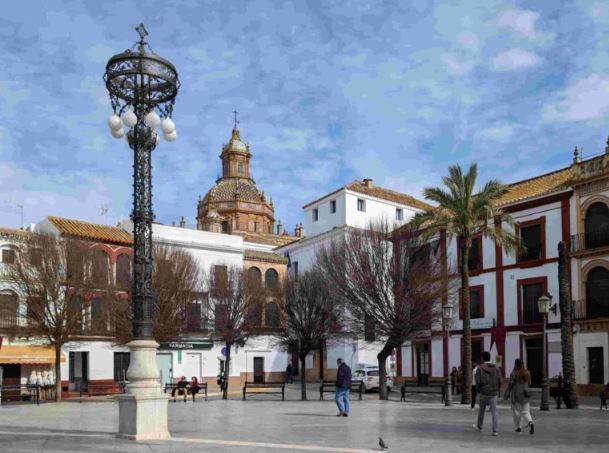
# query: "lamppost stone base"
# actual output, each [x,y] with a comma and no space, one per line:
[143,409]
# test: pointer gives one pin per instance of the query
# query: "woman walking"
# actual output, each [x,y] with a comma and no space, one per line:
[520,396]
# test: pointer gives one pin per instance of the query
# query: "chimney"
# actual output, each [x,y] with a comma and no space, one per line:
[299,230]
[279,227]
[182,222]
[576,156]
[368,182]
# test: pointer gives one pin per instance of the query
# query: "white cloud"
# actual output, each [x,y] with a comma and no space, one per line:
[458,66]
[520,21]
[586,99]
[514,59]
[500,132]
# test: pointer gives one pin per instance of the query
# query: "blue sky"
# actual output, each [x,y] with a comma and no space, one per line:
[328,92]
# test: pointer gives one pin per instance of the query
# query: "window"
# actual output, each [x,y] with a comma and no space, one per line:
[254,315]
[361,205]
[220,317]
[99,268]
[597,293]
[193,317]
[121,365]
[240,168]
[75,313]
[295,265]
[333,207]
[532,241]
[597,225]
[399,214]
[8,256]
[98,318]
[254,277]
[315,215]
[123,271]
[271,278]
[530,294]
[36,257]
[35,306]
[474,262]
[271,315]
[476,303]
[9,308]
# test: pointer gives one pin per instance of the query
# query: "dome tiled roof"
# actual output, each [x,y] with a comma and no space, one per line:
[229,189]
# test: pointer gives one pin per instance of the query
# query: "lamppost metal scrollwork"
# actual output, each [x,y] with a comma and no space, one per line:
[142,87]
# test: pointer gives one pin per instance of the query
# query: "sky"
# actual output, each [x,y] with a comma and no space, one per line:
[328,92]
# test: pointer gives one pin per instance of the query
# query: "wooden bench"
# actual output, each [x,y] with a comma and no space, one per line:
[94,388]
[173,385]
[330,387]
[257,387]
[432,387]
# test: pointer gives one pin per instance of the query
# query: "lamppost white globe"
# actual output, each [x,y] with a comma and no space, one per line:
[117,133]
[152,120]
[129,118]
[168,126]
[114,122]
[171,136]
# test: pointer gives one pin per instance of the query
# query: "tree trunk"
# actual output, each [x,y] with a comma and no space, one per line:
[226,372]
[57,373]
[466,365]
[303,381]
[566,323]
[382,360]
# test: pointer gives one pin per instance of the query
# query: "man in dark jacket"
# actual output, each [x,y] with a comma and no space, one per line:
[343,386]
[488,383]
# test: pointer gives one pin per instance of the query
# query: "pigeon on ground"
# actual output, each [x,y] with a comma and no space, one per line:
[382,444]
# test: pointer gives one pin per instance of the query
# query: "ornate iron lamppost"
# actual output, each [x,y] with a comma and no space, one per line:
[543,304]
[142,88]
[447,319]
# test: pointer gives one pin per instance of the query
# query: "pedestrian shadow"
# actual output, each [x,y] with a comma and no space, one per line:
[308,414]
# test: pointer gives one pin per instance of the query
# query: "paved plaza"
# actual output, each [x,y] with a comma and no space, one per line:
[265,424]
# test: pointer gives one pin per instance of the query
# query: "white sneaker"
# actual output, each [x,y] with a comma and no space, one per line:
[495,433]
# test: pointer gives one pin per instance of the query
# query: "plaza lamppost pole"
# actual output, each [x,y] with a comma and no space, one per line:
[447,318]
[543,303]
[142,87]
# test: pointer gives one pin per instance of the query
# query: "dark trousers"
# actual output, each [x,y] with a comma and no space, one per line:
[474,394]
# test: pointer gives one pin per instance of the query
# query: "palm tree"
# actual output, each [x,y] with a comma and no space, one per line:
[462,214]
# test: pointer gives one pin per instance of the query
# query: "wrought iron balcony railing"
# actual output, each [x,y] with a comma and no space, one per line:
[590,240]
[589,309]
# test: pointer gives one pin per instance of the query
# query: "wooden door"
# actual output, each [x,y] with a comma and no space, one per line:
[596,366]
[258,370]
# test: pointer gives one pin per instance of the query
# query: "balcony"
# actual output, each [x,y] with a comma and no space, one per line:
[591,240]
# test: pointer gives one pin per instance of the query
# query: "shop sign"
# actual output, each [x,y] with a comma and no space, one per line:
[187,345]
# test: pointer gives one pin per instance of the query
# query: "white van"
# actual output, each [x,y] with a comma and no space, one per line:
[369,375]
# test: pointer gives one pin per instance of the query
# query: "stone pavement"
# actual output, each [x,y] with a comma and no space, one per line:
[265,424]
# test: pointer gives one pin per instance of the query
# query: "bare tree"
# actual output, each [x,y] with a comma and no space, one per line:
[175,282]
[53,276]
[236,309]
[391,284]
[311,317]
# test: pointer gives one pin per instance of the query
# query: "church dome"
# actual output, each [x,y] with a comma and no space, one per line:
[234,189]
[235,143]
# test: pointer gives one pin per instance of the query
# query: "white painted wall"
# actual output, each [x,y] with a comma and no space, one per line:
[376,209]
[582,342]
[326,220]
[437,357]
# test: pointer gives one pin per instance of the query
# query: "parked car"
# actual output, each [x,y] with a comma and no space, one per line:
[370,377]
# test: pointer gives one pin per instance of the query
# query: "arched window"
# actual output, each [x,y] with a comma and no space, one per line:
[597,293]
[597,225]
[271,315]
[123,271]
[254,277]
[9,309]
[240,168]
[271,278]
[100,268]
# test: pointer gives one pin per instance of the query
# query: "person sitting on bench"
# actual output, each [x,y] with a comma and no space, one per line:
[181,388]
[194,387]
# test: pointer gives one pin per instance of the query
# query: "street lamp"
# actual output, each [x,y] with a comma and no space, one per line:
[544,303]
[142,88]
[447,317]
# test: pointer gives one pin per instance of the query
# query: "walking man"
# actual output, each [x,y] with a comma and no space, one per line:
[343,387]
[488,383]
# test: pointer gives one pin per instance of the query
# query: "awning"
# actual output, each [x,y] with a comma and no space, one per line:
[28,354]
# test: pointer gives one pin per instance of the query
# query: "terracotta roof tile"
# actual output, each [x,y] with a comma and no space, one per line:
[267,238]
[91,231]
[15,233]
[539,185]
[379,192]
[256,255]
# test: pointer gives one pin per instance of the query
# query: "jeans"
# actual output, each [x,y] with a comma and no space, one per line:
[474,393]
[342,400]
[521,412]
[492,402]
